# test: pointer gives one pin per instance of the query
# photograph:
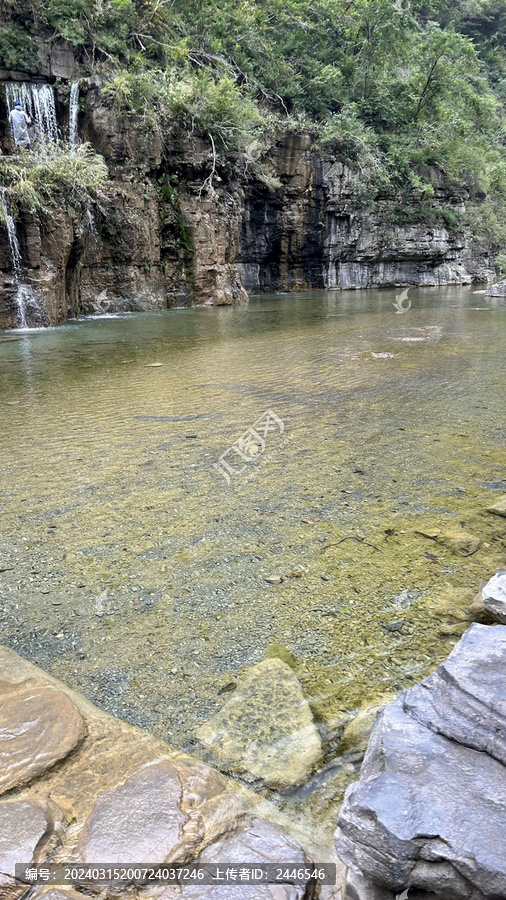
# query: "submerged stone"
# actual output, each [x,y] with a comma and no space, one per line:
[256,843]
[460,542]
[39,725]
[139,821]
[499,508]
[25,828]
[266,729]
[279,651]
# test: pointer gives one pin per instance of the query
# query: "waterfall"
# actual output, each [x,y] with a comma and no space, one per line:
[38,101]
[91,229]
[11,233]
[73,113]
[24,292]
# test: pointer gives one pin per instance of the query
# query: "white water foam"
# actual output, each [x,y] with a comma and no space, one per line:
[73,113]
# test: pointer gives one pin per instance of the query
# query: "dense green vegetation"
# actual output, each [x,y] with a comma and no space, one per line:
[399,88]
[39,181]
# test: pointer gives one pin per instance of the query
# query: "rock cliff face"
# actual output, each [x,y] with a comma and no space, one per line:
[158,239]
[315,232]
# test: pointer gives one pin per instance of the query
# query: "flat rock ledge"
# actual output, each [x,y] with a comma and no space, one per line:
[83,787]
[38,727]
[496,290]
[428,813]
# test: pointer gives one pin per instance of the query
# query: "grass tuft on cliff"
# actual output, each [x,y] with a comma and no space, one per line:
[36,182]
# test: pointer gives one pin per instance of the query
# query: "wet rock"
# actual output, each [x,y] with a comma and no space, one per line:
[10,889]
[431,533]
[493,596]
[499,508]
[356,733]
[266,729]
[258,842]
[139,821]
[496,290]
[460,542]
[25,828]
[39,726]
[394,626]
[59,893]
[273,579]
[429,810]
[426,812]
[464,699]
[359,888]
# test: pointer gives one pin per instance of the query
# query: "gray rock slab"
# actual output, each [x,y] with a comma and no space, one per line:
[266,729]
[25,827]
[426,812]
[257,842]
[496,290]
[493,596]
[139,821]
[465,698]
[39,725]
[359,888]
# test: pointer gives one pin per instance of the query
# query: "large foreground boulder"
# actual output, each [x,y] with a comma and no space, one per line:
[429,810]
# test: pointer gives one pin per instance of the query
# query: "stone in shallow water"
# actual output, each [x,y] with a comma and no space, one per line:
[426,812]
[39,725]
[25,827]
[465,698]
[139,821]
[461,542]
[496,290]
[258,842]
[493,596]
[499,508]
[266,729]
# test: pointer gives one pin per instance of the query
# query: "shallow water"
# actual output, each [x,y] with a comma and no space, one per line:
[391,423]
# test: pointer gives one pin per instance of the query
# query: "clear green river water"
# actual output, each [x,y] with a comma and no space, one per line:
[133,569]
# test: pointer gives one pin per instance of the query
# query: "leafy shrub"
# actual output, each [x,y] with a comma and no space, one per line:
[38,182]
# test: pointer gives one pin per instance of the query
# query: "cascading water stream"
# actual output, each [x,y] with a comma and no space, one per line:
[73,113]
[22,289]
[38,101]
